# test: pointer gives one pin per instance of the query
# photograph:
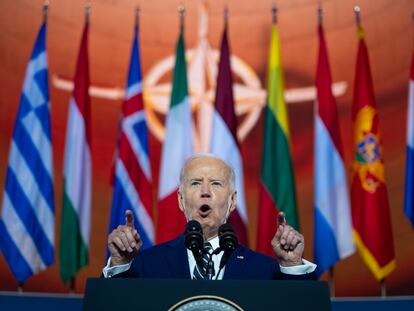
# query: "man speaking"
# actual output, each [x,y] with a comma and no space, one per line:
[208,249]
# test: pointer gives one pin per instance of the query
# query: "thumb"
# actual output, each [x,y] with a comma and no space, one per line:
[129,218]
[281,220]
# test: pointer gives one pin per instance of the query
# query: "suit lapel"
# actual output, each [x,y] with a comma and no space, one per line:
[236,264]
[177,259]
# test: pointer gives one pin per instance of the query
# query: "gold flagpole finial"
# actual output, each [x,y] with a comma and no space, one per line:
[320,14]
[87,10]
[45,10]
[274,14]
[357,11]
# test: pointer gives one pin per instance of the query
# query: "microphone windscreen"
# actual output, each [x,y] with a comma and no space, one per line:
[193,236]
[225,228]
[227,238]
[193,225]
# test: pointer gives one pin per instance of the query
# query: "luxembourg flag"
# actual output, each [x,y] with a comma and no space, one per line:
[409,173]
[333,226]
[132,182]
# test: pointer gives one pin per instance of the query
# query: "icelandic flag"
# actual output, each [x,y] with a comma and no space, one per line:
[132,180]
[409,173]
[28,213]
[333,225]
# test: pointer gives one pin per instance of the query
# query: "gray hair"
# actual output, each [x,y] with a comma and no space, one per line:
[232,175]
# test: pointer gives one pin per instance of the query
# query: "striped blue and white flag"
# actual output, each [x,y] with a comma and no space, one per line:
[28,216]
[132,180]
[409,171]
[333,225]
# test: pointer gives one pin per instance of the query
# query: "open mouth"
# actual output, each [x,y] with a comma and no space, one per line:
[204,210]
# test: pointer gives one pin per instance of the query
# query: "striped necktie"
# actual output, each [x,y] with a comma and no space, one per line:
[200,269]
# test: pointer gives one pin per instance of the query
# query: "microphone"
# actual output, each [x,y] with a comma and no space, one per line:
[194,239]
[228,242]
[193,236]
[227,238]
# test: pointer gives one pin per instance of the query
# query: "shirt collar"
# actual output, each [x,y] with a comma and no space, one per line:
[215,243]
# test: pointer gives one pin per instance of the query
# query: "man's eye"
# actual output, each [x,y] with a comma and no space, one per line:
[216,183]
[194,183]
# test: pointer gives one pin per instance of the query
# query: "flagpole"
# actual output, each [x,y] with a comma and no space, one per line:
[72,280]
[320,14]
[274,14]
[20,287]
[87,10]
[357,11]
[226,16]
[45,10]
[137,14]
[331,275]
[383,288]
[181,12]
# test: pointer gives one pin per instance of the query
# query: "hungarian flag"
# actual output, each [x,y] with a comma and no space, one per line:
[277,185]
[76,211]
[176,149]
[224,136]
[370,210]
[409,172]
[333,226]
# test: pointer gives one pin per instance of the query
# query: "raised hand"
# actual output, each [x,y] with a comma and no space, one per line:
[124,242]
[288,244]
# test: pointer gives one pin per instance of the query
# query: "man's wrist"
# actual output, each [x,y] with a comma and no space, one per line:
[113,261]
[291,263]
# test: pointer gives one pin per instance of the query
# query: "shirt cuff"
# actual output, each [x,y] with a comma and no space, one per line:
[306,267]
[109,272]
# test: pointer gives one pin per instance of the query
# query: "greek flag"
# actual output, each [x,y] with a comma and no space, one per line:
[28,216]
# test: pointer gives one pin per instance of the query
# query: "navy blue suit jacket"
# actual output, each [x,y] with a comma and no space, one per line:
[170,260]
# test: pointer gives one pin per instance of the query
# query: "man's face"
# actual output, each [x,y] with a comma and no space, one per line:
[206,195]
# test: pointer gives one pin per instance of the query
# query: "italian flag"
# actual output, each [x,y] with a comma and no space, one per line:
[277,186]
[75,227]
[176,149]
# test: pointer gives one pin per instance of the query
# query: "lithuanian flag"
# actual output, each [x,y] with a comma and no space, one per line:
[277,186]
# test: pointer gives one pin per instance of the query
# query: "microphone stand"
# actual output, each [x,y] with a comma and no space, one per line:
[210,272]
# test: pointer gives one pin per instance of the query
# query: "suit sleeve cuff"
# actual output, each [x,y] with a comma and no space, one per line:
[306,267]
[109,272]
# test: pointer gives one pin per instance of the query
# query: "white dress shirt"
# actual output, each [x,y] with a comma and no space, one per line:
[306,267]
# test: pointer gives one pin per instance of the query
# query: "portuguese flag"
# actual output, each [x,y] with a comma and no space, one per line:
[277,186]
[370,211]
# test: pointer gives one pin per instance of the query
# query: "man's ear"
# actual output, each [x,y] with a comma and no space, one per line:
[233,201]
[180,198]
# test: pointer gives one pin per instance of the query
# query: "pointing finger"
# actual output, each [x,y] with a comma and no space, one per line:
[129,218]
[281,220]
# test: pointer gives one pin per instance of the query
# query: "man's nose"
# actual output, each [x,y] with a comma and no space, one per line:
[205,191]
